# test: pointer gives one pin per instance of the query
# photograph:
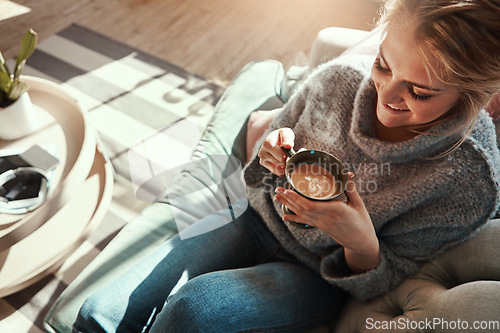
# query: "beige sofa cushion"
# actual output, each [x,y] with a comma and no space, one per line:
[460,287]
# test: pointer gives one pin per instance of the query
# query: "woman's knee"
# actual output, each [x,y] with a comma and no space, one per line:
[91,317]
[107,311]
[193,308]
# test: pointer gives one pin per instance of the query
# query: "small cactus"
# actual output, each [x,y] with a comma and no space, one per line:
[10,85]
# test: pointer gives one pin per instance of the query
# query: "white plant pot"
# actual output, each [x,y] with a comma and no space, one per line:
[19,119]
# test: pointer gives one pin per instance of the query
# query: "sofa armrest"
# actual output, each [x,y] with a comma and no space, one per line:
[461,284]
[333,41]
[330,43]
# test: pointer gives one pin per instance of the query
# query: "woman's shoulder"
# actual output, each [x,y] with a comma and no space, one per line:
[360,63]
[483,141]
[479,158]
[349,70]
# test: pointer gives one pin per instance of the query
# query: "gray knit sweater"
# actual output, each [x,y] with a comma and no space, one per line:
[419,205]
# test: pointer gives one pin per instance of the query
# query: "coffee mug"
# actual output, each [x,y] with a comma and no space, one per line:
[314,174]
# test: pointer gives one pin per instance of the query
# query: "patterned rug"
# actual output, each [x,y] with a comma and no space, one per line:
[129,95]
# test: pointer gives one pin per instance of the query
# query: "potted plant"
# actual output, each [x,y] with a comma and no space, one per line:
[17,117]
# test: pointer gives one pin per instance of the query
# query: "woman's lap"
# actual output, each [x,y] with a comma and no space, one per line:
[275,296]
[189,273]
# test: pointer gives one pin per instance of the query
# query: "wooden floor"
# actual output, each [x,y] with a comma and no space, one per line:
[213,38]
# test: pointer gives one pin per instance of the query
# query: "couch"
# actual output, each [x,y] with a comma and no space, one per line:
[457,289]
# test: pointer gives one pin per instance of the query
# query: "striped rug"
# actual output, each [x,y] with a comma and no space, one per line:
[129,95]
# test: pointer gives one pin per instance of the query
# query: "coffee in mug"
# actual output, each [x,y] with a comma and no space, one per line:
[316,175]
[314,181]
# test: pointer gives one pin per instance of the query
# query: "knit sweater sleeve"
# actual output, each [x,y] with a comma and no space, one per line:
[461,199]
[402,252]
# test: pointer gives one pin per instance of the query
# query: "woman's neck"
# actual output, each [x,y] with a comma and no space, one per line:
[390,134]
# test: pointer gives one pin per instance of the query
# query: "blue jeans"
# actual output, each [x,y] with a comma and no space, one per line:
[234,278]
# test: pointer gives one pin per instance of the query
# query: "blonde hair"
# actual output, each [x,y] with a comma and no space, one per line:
[463,38]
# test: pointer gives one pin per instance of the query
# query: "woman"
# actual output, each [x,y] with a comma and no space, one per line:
[410,125]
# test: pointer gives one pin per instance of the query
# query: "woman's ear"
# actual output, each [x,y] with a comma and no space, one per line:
[493,107]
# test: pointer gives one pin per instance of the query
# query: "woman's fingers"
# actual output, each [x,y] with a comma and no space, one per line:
[296,218]
[286,137]
[291,199]
[272,157]
[352,194]
[308,210]
[270,164]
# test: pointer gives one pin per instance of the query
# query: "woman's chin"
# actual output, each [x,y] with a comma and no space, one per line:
[389,120]
[391,116]
[390,123]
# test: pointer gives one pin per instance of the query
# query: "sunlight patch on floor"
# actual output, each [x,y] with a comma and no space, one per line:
[10,9]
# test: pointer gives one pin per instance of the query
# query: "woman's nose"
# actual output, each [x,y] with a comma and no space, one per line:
[391,92]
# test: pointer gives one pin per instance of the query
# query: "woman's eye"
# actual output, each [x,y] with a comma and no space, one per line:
[416,96]
[380,66]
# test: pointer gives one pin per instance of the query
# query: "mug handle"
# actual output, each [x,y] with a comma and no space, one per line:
[289,151]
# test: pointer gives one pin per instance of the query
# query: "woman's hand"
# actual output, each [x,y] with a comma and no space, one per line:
[271,155]
[348,223]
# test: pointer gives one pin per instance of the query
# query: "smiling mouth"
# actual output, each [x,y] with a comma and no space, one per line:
[395,108]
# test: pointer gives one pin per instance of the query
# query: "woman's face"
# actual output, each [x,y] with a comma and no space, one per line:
[407,94]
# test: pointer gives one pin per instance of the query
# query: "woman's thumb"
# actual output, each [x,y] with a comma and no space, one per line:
[351,191]
[286,137]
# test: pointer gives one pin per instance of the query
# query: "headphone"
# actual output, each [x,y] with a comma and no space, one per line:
[22,190]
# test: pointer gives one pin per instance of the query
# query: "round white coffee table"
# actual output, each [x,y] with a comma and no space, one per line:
[35,244]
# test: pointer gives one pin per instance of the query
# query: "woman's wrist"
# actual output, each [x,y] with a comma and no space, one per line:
[363,260]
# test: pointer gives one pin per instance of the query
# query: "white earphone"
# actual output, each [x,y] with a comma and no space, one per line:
[8,202]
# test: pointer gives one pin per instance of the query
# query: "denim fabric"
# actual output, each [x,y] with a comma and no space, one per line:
[234,278]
